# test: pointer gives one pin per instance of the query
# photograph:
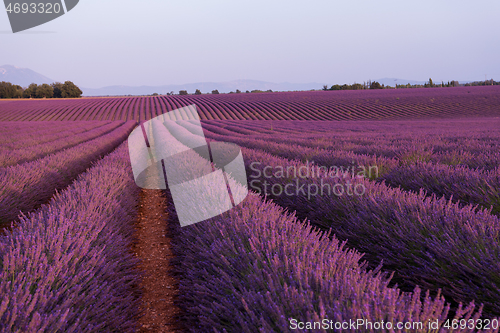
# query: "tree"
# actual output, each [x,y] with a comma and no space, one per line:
[5,89]
[375,85]
[19,91]
[30,92]
[183,92]
[57,87]
[215,91]
[325,87]
[9,90]
[44,91]
[154,94]
[197,92]
[70,90]
[238,91]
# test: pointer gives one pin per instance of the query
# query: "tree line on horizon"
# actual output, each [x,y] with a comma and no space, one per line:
[428,84]
[216,92]
[55,90]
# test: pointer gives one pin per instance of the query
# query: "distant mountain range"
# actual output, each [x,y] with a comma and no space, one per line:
[24,77]
[226,87]
[205,87]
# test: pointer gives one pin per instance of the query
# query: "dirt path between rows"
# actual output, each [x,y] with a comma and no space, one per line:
[153,248]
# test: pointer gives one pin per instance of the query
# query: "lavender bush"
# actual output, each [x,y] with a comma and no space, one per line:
[68,267]
[44,147]
[256,267]
[458,183]
[383,104]
[432,141]
[20,134]
[24,187]
[462,184]
[429,242]
[325,214]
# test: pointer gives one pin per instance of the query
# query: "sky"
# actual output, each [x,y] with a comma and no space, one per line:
[158,42]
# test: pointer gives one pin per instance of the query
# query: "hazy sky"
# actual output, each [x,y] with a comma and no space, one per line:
[155,42]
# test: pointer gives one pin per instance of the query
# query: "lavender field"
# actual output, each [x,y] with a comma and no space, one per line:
[419,103]
[349,216]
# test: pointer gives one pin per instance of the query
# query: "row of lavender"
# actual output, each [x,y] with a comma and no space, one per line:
[67,267]
[441,165]
[428,242]
[59,141]
[462,184]
[380,221]
[306,105]
[17,134]
[25,186]
[375,141]
[472,143]
[259,268]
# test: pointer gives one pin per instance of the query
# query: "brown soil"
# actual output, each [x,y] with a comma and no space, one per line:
[158,286]
[4,228]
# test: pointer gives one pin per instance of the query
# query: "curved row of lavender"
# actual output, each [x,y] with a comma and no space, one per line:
[20,134]
[428,242]
[23,155]
[256,266]
[25,186]
[472,142]
[67,267]
[459,184]
[459,152]
[419,147]
[462,184]
[306,105]
[385,213]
